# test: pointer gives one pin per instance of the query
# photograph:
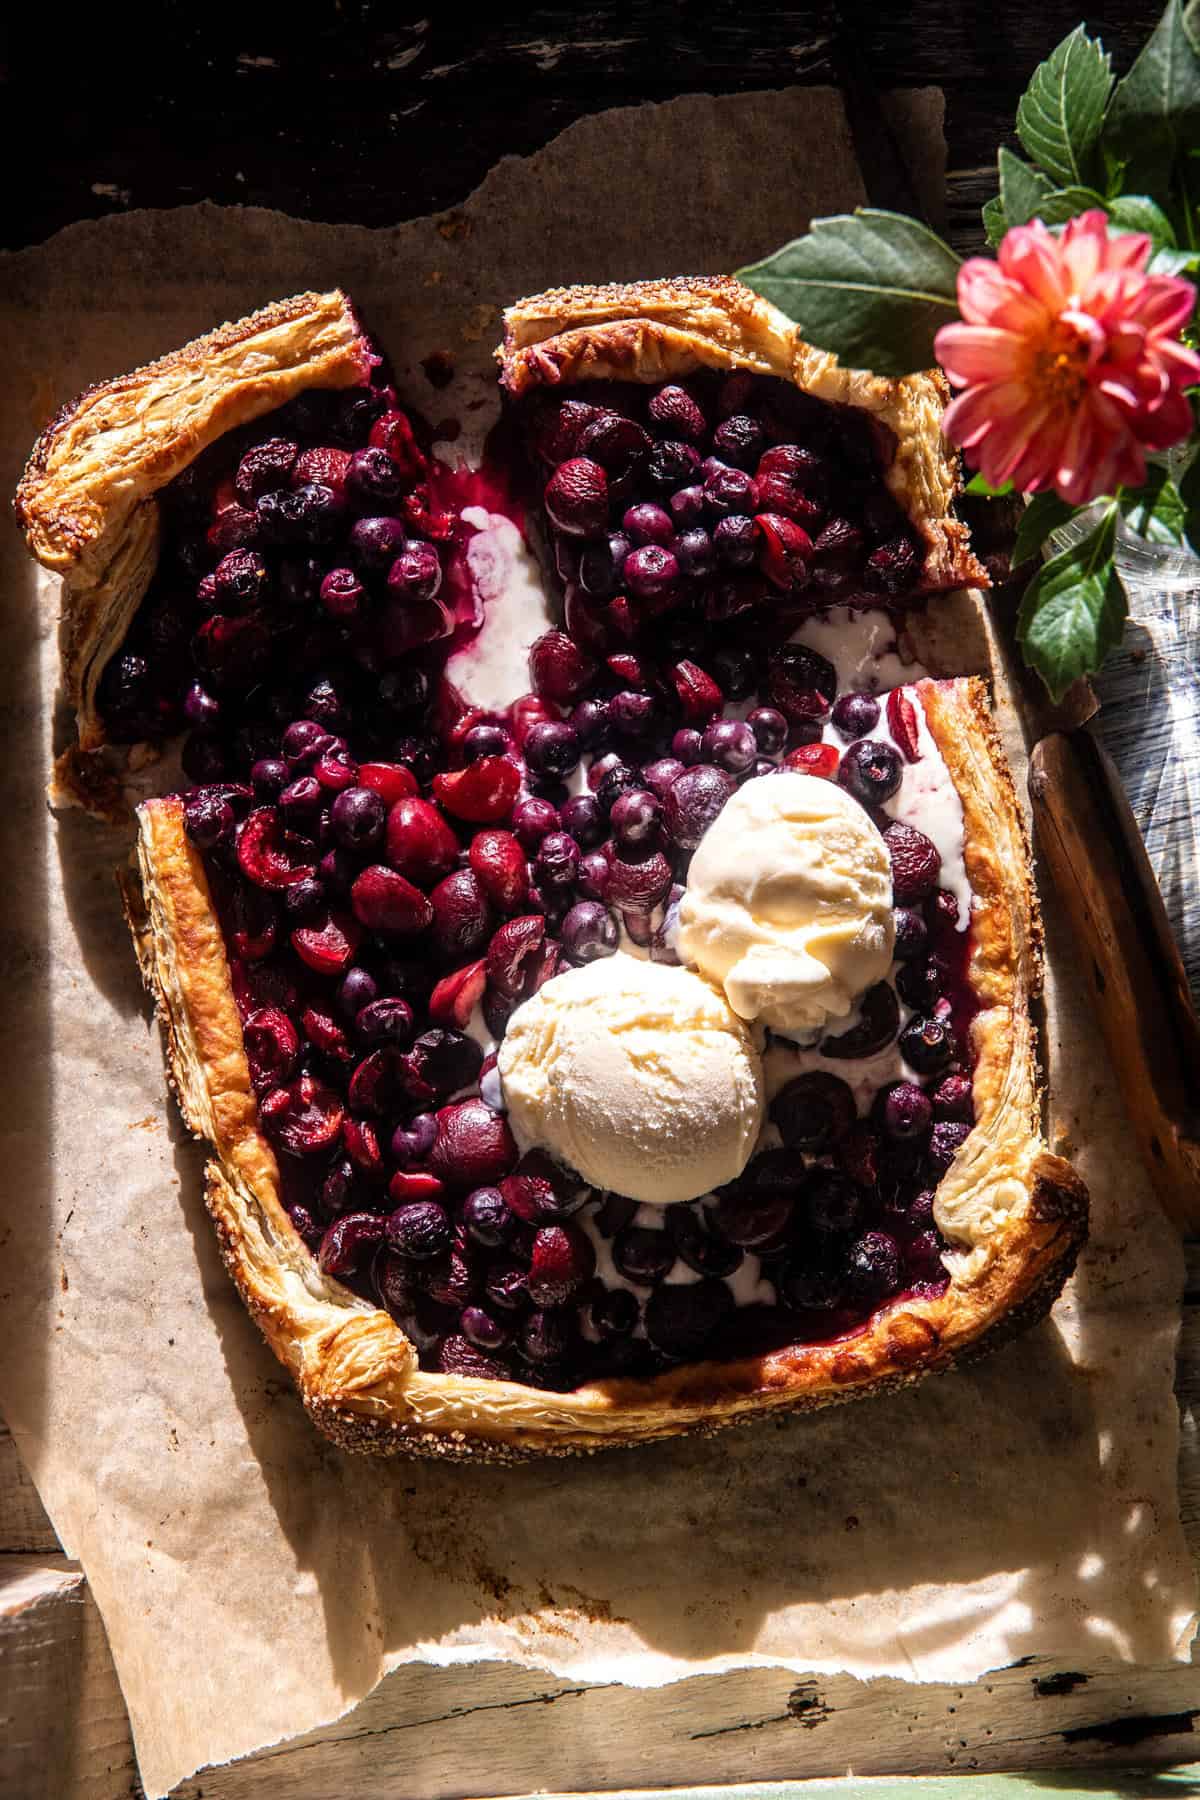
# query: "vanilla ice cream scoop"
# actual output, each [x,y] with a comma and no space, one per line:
[638,1076]
[788,904]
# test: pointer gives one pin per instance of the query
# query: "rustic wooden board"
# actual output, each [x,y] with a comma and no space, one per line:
[336,121]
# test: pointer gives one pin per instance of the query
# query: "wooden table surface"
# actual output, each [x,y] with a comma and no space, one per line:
[354,111]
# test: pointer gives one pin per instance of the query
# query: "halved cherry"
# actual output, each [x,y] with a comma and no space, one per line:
[814,759]
[348,1241]
[322,1030]
[509,953]
[420,844]
[393,433]
[255,924]
[385,901]
[784,551]
[378,1084]
[500,868]
[456,996]
[305,1119]
[902,723]
[272,1046]
[482,793]
[329,946]
[698,693]
[262,854]
[414,1184]
[391,781]
[529,710]
[362,1147]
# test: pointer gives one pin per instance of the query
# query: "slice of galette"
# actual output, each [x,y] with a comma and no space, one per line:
[646,1046]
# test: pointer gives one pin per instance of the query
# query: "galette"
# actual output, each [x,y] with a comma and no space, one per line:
[597,951]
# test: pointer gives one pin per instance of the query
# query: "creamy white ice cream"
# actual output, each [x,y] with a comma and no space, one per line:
[638,1076]
[788,905]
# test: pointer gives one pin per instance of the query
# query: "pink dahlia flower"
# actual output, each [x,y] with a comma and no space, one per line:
[1069,360]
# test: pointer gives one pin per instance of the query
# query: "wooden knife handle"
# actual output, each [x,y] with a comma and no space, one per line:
[1088,839]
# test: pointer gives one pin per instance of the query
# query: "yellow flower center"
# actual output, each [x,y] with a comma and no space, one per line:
[1058,366]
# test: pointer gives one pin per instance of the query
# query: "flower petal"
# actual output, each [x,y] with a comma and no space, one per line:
[977,352]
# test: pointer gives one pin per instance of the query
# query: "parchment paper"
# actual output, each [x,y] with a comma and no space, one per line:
[254,1581]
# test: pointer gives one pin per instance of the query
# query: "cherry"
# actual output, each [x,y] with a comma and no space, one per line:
[674,413]
[329,946]
[916,863]
[305,1118]
[462,917]
[879,1021]
[348,1241]
[902,723]
[420,844]
[456,996]
[576,497]
[561,1261]
[509,953]
[272,1046]
[927,1045]
[474,1147]
[682,1321]
[855,715]
[693,801]
[812,1111]
[870,771]
[481,793]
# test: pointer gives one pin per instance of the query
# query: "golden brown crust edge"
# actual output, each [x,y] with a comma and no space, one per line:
[1017,1213]
[653,331]
[86,501]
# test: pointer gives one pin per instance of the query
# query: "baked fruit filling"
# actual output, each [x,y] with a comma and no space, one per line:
[308,543]
[398,868]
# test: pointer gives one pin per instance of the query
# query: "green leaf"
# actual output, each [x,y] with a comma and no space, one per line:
[1156,511]
[871,286]
[1059,117]
[979,484]
[1022,188]
[1155,113]
[994,222]
[1189,491]
[1073,611]
[1044,514]
[1174,262]
[1137,212]
[1067,203]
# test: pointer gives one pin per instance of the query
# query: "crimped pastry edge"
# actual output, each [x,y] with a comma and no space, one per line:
[1020,1210]
[650,331]
[86,501]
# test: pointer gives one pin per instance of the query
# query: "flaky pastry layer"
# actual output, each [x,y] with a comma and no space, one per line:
[1015,1213]
[651,331]
[86,501]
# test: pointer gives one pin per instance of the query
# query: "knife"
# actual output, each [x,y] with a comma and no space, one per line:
[1089,841]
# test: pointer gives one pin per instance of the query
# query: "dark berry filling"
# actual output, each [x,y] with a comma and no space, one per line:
[396,871]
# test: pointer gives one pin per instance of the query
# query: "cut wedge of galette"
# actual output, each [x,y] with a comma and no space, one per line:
[606,990]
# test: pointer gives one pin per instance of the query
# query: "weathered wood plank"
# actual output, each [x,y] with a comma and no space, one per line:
[360,116]
[62,1719]
[23,1522]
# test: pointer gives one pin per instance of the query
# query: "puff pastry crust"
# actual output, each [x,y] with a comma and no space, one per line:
[86,500]
[1014,1212]
[654,331]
